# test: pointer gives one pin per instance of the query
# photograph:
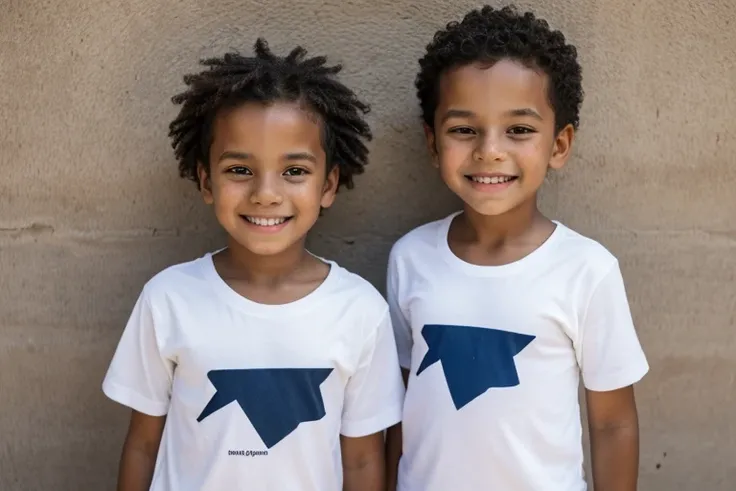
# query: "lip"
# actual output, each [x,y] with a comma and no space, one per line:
[266,229]
[491,188]
[490,174]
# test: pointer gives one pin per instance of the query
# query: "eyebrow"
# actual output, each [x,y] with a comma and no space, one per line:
[463,113]
[301,156]
[457,113]
[527,111]
[232,155]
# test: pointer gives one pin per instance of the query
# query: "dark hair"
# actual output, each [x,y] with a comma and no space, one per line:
[489,34]
[235,79]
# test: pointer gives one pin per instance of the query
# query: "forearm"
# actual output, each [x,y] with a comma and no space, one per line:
[393,455]
[615,457]
[394,446]
[136,469]
[369,475]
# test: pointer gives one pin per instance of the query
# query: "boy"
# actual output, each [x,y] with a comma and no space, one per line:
[260,366]
[497,309]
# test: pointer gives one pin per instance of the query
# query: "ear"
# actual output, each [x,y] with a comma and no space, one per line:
[205,184]
[562,147]
[330,187]
[431,145]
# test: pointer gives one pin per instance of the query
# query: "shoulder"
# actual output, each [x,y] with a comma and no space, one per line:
[179,280]
[350,288]
[354,300]
[583,254]
[420,240]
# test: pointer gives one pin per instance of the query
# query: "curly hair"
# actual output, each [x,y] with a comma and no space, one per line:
[490,35]
[234,79]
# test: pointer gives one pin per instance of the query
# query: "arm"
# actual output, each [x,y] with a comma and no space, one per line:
[373,401]
[614,439]
[404,342]
[612,361]
[393,447]
[363,463]
[140,377]
[139,452]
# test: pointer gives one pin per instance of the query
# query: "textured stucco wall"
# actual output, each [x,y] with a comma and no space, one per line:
[91,206]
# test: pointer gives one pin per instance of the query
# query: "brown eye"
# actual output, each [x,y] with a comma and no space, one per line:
[295,172]
[239,170]
[463,130]
[521,130]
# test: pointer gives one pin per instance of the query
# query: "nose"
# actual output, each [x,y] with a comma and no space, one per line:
[266,191]
[490,149]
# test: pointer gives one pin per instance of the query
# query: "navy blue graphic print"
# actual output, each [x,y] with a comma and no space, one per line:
[474,359]
[276,400]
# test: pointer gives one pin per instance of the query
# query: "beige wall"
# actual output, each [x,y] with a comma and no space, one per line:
[91,205]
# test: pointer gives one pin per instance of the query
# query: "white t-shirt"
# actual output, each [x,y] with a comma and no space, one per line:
[495,354]
[256,396]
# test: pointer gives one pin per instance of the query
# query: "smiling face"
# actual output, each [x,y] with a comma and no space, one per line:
[494,135]
[267,178]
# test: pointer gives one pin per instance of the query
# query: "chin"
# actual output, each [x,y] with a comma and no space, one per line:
[268,252]
[491,209]
[266,249]
[261,246]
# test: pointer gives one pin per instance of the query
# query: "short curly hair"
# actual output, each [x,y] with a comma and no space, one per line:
[234,79]
[490,35]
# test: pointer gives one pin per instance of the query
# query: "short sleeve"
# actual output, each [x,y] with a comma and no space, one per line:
[375,392]
[401,325]
[611,356]
[139,376]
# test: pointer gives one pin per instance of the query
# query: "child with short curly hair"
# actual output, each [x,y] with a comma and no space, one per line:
[498,310]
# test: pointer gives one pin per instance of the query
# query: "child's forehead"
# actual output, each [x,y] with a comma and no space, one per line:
[277,124]
[293,113]
[252,118]
[505,82]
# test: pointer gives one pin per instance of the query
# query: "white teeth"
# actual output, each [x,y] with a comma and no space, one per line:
[492,180]
[266,222]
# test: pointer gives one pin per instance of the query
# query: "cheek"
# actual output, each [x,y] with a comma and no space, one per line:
[454,154]
[307,193]
[228,194]
[533,155]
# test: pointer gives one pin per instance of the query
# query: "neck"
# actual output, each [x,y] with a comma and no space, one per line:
[508,226]
[265,270]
